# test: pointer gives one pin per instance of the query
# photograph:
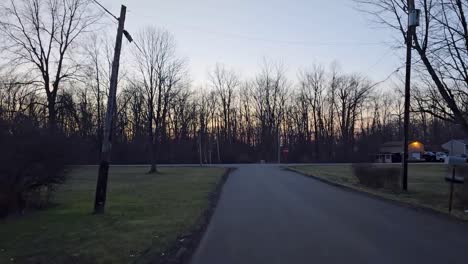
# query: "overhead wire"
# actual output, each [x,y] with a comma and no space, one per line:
[388,77]
[306,43]
[138,47]
[126,33]
[106,10]
[277,41]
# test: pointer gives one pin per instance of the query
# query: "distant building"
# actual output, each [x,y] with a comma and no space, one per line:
[392,151]
[457,147]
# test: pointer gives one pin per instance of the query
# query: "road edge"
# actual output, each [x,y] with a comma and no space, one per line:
[413,206]
[184,247]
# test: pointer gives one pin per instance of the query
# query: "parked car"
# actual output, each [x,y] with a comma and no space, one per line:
[429,156]
[464,156]
[440,156]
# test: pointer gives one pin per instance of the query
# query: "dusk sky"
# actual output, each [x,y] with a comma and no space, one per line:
[240,33]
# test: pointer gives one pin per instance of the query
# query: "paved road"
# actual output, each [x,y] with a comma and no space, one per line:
[266,215]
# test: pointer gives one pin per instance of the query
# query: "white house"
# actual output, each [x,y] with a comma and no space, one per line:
[457,147]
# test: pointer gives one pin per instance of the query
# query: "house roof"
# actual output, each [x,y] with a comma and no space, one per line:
[392,144]
[391,147]
[464,141]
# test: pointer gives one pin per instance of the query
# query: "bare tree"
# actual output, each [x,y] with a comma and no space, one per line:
[270,90]
[225,82]
[40,34]
[245,115]
[18,95]
[98,55]
[160,74]
[441,44]
[313,87]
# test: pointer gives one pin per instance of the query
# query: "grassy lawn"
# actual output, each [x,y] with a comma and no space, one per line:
[426,184]
[144,213]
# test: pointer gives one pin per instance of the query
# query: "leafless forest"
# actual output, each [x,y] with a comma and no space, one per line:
[54,81]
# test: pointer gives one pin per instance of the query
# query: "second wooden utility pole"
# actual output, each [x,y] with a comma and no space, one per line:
[279,145]
[101,186]
[413,22]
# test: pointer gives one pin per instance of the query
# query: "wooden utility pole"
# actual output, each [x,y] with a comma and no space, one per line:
[200,147]
[101,186]
[279,145]
[217,148]
[412,24]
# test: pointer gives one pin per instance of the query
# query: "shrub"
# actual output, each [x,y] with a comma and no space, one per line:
[377,177]
[32,164]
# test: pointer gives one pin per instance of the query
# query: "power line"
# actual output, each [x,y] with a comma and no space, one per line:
[105,9]
[138,47]
[279,41]
[388,77]
[125,32]
[234,35]
[392,73]
[380,59]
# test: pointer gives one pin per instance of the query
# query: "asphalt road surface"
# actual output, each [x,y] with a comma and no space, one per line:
[267,215]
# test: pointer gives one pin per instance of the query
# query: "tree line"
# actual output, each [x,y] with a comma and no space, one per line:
[56,76]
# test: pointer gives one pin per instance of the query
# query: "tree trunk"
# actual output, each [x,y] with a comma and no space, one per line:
[151,143]
[153,168]
[52,118]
